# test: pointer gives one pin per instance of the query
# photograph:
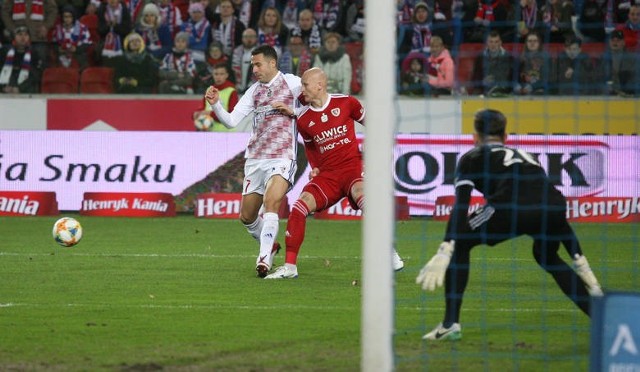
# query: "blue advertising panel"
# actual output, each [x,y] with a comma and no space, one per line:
[615,332]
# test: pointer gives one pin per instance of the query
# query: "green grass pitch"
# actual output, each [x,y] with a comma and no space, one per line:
[181,294]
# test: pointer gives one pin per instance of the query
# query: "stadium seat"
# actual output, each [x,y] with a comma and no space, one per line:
[594,50]
[464,71]
[60,80]
[355,52]
[469,50]
[97,80]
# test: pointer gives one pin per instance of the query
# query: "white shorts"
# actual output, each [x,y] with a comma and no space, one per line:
[257,173]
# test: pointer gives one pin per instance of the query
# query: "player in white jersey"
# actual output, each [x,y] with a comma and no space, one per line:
[270,164]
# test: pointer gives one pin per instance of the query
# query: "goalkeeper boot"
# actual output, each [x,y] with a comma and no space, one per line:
[453,333]
[284,272]
[582,268]
[398,264]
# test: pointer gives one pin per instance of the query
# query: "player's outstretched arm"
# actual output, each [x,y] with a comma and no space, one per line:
[432,274]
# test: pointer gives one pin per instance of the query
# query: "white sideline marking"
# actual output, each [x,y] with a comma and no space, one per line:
[202,255]
[276,307]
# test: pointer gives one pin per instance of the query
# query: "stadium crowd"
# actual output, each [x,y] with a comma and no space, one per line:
[445,47]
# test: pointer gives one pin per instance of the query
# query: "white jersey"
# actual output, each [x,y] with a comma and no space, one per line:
[274,134]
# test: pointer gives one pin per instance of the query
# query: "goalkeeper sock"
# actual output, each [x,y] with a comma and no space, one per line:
[255,228]
[295,230]
[269,233]
[582,268]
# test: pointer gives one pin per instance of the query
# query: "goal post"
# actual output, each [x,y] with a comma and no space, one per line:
[378,230]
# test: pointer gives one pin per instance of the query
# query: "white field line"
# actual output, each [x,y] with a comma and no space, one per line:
[203,255]
[268,307]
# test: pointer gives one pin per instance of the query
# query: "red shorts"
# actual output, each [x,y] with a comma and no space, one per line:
[329,187]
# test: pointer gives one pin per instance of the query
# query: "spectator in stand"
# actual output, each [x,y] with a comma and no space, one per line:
[247,12]
[39,16]
[492,15]
[290,12]
[135,70]
[225,27]
[20,69]
[405,12]
[355,21]
[620,68]
[591,21]
[556,20]
[308,30]
[335,62]
[178,68]
[205,72]
[198,29]
[493,69]
[156,35]
[329,15]
[79,6]
[241,60]
[296,57]
[631,29]
[417,36]
[271,31]
[441,73]
[71,39]
[620,10]
[171,16]
[535,67]
[114,24]
[228,97]
[413,75]
[575,72]
[528,18]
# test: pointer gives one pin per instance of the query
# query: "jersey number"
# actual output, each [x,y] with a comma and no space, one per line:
[512,156]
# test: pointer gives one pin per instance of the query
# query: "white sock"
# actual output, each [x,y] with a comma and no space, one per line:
[255,228]
[584,271]
[269,233]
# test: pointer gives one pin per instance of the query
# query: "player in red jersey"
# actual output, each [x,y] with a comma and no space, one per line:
[327,128]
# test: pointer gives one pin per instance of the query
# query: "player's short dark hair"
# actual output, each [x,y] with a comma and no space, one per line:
[267,51]
[489,122]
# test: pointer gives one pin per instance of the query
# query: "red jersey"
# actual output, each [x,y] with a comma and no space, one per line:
[329,132]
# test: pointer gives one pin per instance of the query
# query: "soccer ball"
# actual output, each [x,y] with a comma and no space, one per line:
[203,122]
[67,231]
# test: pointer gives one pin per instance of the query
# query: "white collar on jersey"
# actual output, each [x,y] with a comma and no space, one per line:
[319,109]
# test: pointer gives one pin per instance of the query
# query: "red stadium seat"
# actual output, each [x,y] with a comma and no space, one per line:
[594,50]
[470,50]
[60,80]
[355,52]
[97,80]
[464,70]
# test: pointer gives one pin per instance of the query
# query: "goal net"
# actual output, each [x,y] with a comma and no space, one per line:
[582,131]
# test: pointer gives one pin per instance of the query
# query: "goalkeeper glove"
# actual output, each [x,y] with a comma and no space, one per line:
[432,274]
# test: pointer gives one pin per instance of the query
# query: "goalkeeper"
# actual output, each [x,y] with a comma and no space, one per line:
[520,200]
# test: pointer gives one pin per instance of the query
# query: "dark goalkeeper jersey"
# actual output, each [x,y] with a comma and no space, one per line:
[508,178]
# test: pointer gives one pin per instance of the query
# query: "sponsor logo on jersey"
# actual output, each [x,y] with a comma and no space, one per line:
[324,118]
[312,123]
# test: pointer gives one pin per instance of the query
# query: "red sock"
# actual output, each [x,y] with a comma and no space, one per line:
[294,235]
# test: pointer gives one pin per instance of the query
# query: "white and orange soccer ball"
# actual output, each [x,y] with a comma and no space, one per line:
[203,122]
[67,231]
